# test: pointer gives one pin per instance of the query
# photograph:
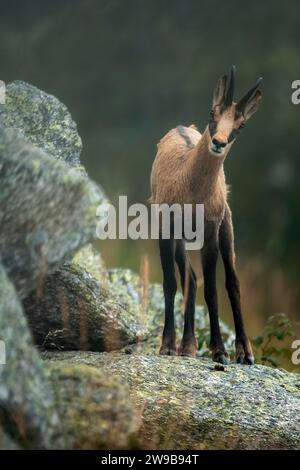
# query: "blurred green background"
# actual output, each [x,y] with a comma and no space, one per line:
[131,70]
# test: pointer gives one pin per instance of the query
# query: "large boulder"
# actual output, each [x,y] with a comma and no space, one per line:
[27,409]
[43,120]
[47,211]
[195,404]
[79,308]
[82,306]
[95,408]
[60,406]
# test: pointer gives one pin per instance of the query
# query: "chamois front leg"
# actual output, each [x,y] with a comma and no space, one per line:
[209,264]
[244,354]
[188,346]
[166,247]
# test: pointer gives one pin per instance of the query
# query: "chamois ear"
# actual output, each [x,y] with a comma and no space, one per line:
[219,93]
[253,104]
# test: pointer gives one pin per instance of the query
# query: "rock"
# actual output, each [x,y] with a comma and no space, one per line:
[91,261]
[81,308]
[27,410]
[47,211]
[78,309]
[129,290]
[43,120]
[60,406]
[187,404]
[95,408]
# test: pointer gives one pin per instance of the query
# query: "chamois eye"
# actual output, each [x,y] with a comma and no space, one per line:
[242,125]
[212,114]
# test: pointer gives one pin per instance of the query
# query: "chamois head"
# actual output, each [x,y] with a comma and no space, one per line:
[227,118]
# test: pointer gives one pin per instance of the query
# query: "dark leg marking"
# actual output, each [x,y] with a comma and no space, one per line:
[188,346]
[209,264]
[166,247]
[244,352]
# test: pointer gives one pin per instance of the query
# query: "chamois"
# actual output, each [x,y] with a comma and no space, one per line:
[188,168]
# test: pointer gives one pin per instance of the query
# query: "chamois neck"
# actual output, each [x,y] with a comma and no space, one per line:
[204,168]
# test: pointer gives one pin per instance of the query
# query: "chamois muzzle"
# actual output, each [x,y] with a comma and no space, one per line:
[218,146]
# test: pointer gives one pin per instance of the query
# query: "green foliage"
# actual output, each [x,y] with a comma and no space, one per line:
[272,347]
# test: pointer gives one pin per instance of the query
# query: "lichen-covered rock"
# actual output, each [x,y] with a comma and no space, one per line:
[61,406]
[196,404]
[78,309]
[43,120]
[129,290]
[91,261]
[27,410]
[81,308]
[47,211]
[95,408]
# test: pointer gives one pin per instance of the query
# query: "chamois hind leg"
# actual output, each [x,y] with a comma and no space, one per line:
[244,352]
[188,346]
[209,254]
[166,247]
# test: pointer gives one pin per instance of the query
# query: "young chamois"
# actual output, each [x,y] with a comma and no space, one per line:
[188,168]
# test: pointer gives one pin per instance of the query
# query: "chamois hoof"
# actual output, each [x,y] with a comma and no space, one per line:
[244,354]
[242,359]
[168,348]
[222,358]
[167,351]
[188,348]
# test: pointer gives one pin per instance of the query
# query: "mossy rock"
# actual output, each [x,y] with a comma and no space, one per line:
[43,120]
[95,408]
[195,404]
[78,309]
[47,211]
[60,406]
[27,404]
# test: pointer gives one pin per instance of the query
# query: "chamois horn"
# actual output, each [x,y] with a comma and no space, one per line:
[230,89]
[244,100]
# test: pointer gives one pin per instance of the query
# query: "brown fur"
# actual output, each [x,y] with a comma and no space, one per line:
[183,175]
[188,169]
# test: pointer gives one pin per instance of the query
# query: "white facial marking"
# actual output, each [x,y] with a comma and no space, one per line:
[216,151]
[224,127]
